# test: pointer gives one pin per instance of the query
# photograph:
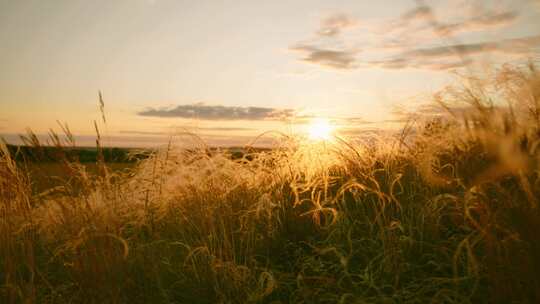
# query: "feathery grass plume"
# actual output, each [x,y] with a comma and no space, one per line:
[491,150]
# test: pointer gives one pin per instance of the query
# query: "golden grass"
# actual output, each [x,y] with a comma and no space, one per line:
[445,212]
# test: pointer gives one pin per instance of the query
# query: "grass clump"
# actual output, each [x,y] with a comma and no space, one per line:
[446,212]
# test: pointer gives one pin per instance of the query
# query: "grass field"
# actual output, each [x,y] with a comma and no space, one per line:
[444,212]
[48,175]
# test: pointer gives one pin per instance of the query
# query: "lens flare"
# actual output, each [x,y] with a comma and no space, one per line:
[320,129]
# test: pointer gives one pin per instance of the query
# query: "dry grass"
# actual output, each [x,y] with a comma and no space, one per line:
[447,212]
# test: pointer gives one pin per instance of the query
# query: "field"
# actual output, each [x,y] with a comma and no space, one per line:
[445,211]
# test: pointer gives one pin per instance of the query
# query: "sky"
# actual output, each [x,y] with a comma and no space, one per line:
[230,70]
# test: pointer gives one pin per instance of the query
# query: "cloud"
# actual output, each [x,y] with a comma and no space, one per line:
[421,25]
[208,112]
[415,39]
[457,55]
[479,23]
[520,45]
[336,59]
[430,58]
[419,12]
[452,50]
[441,66]
[479,20]
[334,24]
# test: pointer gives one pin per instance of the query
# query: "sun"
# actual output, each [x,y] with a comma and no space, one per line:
[320,129]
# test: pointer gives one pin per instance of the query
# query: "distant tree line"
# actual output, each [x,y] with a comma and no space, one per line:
[83,155]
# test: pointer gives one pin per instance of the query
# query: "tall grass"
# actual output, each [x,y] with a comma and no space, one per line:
[445,212]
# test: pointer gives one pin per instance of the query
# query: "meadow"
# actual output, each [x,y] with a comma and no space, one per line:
[444,211]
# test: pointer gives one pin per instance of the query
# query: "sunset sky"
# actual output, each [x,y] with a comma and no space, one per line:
[229,70]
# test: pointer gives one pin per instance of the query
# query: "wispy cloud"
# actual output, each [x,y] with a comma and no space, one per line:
[337,59]
[421,25]
[419,12]
[316,50]
[431,58]
[479,23]
[219,112]
[334,24]
[472,19]
[419,38]
[457,55]
[416,14]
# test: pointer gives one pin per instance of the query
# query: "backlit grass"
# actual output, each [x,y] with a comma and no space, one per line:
[444,212]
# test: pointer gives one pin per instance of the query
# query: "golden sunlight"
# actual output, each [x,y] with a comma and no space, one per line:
[320,129]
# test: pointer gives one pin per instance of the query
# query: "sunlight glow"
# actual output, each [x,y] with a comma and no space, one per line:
[320,129]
